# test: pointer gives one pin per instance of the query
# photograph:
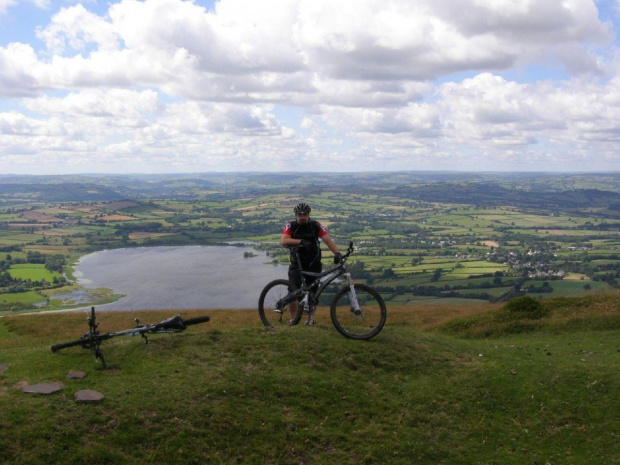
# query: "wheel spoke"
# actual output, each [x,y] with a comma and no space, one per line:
[362,320]
[273,312]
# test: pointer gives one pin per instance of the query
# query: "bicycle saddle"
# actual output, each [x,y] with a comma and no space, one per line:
[175,322]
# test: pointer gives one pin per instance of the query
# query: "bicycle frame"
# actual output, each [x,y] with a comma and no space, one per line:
[356,309]
[93,338]
[323,279]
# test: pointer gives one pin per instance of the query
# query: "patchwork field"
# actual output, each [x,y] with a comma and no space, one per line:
[419,236]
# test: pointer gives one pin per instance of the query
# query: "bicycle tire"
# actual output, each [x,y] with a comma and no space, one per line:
[364,326]
[195,321]
[270,295]
[64,345]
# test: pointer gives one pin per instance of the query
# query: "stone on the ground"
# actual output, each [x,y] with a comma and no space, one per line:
[42,388]
[88,395]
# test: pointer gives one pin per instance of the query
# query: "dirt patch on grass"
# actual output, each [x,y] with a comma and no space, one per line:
[556,232]
[55,232]
[109,218]
[576,277]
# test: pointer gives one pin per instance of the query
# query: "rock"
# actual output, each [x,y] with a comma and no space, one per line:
[74,374]
[3,368]
[87,395]
[42,388]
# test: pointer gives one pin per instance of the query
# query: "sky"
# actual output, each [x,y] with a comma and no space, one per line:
[174,86]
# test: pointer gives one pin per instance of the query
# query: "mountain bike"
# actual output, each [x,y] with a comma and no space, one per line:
[357,310]
[93,338]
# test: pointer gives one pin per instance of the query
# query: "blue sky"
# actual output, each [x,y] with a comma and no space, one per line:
[166,86]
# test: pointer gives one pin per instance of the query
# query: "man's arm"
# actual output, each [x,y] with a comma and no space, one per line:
[287,241]
[329,243]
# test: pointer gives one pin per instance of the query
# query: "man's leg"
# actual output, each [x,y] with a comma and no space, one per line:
[295,280]
[314,269]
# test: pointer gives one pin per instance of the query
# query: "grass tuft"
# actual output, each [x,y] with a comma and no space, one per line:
[525,315]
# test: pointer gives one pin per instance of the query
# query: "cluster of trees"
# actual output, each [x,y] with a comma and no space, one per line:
[433,291]
[52,262]
[544,287]
[6,280]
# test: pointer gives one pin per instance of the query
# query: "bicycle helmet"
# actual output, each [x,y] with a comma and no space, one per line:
[302,208]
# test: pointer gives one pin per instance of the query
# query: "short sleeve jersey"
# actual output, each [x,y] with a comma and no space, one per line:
[293,229]
[311,231]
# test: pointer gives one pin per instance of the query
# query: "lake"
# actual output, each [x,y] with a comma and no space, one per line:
[179,277]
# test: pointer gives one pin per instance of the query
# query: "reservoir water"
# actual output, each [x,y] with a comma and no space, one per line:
[179,277]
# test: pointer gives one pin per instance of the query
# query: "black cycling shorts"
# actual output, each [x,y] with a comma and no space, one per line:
[295,279]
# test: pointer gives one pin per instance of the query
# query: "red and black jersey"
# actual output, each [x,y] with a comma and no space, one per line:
[311,232]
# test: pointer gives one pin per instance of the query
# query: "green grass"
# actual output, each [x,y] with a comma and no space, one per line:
[26,298]
[569,288]
[231,391]
[19,239]
[34,272]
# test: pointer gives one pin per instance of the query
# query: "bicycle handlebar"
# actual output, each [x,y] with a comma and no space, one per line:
[296,248]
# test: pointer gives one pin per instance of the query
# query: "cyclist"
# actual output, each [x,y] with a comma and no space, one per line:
[307,233]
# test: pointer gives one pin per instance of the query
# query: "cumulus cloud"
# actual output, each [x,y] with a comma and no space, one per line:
[114,103]
[75,28]
[18,66]
[282,47]
[397,84]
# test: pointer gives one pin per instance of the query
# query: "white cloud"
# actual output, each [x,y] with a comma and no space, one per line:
[395,83]
[279,51]
[18,69]
[75,28]
[5,5]
[207,118]
[492,110]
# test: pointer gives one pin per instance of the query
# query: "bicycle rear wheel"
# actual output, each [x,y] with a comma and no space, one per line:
[366,323]
[271,312]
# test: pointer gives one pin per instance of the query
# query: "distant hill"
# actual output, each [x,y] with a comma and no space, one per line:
[57,192]
[527,190]
[490,194]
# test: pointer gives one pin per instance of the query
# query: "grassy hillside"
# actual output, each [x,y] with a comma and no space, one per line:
[440,385]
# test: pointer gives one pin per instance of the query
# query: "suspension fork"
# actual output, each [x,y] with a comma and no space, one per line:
[355,306]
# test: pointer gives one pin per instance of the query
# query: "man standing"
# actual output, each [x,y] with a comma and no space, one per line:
[306,232]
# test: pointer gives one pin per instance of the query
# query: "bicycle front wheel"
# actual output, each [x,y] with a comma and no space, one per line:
[362,321]
[271,310]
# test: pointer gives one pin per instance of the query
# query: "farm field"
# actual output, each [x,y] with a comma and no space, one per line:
[33,272]
[419,236]
[28,298]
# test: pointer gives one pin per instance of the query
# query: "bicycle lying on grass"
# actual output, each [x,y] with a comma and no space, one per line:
[357,310]
[93,338]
